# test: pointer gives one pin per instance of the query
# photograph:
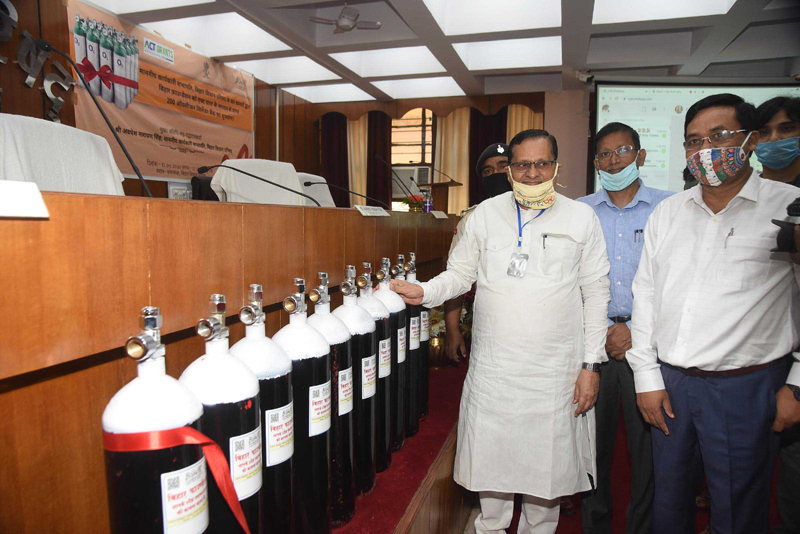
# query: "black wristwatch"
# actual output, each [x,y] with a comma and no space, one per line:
[795,391]
[596,368]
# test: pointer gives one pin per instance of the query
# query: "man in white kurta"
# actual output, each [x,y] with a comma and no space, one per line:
[525,422]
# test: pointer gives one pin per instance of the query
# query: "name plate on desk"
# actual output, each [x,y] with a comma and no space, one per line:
[372,211]
[21,200]
[438,214]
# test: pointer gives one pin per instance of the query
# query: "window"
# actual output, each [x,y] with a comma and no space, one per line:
[412,138]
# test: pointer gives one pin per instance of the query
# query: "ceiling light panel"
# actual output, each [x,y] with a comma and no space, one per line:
[460,17]
[420,87]
[287,70]
[390,62]
[511,53]
[126,6]
[225,34]
[320,94]
[615,11]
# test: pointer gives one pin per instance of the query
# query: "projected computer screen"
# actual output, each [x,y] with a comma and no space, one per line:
[657,113]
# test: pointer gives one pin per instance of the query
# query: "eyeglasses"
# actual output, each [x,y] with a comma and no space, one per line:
[622,152]
[715,139]
[521,167]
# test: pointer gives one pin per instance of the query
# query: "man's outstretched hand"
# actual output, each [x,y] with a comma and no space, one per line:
[411,293]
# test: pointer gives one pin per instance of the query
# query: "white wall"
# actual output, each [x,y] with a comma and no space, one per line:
[566,116]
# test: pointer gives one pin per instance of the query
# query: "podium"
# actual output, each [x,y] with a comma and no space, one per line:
[440,192]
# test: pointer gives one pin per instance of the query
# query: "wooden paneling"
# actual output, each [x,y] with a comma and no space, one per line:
[273,252]
[65,274]
[387,235]
[324,245]
[359,239]
[429,238]
[196,250]
[55,28]
[264,121]
[407,233]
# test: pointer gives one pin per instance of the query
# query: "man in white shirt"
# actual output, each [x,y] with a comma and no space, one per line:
[526,423]
[715,314]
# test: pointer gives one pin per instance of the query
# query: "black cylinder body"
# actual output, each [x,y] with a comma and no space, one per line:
[424,344]
[412,390]
[276,492]
[365,382]
[343,498]
[383,419]
[397,321]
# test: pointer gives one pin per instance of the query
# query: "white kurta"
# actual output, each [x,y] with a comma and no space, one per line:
[517,432]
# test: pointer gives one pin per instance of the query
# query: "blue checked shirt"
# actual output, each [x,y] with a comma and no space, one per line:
[623,243]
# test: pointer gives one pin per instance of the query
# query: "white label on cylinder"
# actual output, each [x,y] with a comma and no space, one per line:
[346,391]
[184,499]
[385,368]
[414,340]
[319,409]
[80,47]
[245,462]
[401,345]
[368,376]
[425,325]
[280,434]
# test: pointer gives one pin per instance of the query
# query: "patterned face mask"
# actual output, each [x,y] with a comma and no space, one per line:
[712,166]
[540,196]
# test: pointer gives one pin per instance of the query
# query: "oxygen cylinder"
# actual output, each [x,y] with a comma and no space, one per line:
[93,53]
[397,321]
[231,417]
[120,61]
[311,390]
[365,381]
[336,333]
[270,363]
[107,60]
[154,491]
[79,38]
[413,354]
[129,67]
[383,338]
[424,338]
[135,47]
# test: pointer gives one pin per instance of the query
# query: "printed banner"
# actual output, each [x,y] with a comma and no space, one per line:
[175,110]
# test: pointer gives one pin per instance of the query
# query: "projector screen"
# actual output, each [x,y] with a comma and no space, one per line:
[657,114]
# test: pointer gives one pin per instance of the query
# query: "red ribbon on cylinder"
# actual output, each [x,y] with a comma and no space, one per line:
[166,439]
[105,74]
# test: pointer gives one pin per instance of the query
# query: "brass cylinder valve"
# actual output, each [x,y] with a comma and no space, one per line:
[253,312]
[348,287]
[319,295]
[213,326]
[296,303]
[385,272]
[147,344]
[398,270]
[411,265]
[365,279]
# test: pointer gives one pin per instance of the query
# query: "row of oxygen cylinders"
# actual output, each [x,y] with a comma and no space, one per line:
[305,419]
[105,46]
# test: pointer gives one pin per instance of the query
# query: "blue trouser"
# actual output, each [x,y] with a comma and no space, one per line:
[730,419]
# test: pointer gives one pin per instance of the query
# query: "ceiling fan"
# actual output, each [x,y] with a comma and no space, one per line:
[347,21]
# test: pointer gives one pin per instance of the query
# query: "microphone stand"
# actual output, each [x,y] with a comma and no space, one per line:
[203,170]
[306,184]
[398,181]
[47,47]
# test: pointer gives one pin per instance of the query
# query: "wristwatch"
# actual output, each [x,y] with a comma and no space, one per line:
[596,368]
[795,390]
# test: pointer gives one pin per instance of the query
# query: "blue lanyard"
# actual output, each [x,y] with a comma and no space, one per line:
[521,226]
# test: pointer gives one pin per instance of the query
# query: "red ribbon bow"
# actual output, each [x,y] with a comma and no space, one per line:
[165,439]
[105,74]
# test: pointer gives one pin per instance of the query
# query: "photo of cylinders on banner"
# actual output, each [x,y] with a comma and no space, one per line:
[108,59]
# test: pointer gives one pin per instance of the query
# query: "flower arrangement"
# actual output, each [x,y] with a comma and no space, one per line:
[414,202]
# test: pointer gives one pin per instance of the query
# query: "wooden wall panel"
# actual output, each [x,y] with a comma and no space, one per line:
[324,245]
[70,272]
[264,121]
[429,238]
[407,233]
[359,239]
[387,238]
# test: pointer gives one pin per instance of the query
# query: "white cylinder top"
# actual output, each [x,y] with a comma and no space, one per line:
[330,326]
[301,341]
[151,401]
[265,358]
[392,300]
[218,378]
[374,307]
[357,319]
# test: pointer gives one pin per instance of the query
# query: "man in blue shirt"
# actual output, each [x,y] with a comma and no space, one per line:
[623,206]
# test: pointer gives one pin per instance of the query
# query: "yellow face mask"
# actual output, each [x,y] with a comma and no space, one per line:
[540,196]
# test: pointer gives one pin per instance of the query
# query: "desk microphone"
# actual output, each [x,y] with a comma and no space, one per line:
[41,44]
[396,178]
[306,184]
[203,170]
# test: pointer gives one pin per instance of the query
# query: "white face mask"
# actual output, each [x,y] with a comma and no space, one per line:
[540,196]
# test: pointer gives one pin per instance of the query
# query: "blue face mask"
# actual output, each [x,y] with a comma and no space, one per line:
[621,180]
[778,154]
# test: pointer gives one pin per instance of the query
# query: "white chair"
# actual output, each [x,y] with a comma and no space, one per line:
[238,187]
[320,193]
[57,157]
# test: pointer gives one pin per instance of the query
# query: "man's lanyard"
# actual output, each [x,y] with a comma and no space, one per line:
[521,226]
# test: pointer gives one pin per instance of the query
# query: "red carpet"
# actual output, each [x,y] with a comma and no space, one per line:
[380,511]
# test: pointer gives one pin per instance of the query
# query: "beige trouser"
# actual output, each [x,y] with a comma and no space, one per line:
[539,516]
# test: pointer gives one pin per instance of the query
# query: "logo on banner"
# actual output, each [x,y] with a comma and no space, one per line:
[159,51]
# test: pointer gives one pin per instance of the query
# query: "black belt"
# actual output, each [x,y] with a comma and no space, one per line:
[620,319]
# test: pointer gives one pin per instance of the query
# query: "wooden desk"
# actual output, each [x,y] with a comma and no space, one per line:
[73,287]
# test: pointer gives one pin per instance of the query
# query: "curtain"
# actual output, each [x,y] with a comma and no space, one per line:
[522,118]
[451,156]
[484,130]
[379,142]
[357,158]
[334,156]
